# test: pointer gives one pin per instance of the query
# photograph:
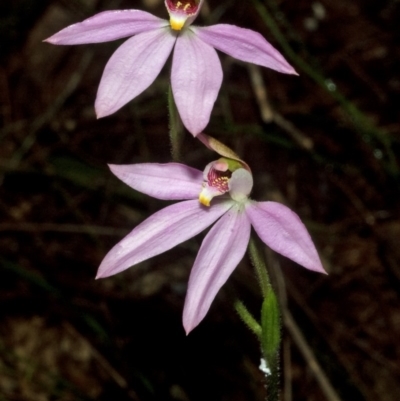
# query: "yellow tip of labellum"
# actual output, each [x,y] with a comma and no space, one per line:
[177,23]
[204,199]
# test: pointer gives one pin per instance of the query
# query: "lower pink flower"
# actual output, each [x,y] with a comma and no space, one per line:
[233,213]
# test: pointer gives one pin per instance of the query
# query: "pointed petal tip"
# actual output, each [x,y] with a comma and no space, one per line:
[317,268]
[106,269]
[187,330]
[116,168]
[98,113]
[312,262]
[99,275]
[316,265]
[104,272]
[194,127]
[196,132]
[188,326]
[322,270]
[287,68]
[101,113]
[51,39]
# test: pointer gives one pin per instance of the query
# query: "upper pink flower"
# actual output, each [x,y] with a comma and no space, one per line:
[230,181]
[196,74]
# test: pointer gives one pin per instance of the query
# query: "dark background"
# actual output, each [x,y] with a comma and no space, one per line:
[325,143]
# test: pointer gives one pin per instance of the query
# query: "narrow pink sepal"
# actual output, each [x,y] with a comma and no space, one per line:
[159,233]
[196,78]
[282,230]
[221,251]
[106,26]
[171,181]
[132,68]
[244,44]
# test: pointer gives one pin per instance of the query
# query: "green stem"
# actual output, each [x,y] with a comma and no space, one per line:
[269,332]
[175,127]
[258,262]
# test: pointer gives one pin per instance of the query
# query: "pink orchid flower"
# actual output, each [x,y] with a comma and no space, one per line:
[218,195]
[196,74]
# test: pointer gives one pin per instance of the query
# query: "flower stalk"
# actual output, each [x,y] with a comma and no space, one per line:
[270,342]
[270,335]
[258,262]
[175,127]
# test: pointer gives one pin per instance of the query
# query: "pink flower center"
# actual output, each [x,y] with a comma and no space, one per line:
[189,7]
[219,180]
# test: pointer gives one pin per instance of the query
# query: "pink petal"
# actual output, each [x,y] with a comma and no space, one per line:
[221,251]
[159,233]
[106,26]
[196,78]
[132,68]
[171,181]
[244,44]
[282,230]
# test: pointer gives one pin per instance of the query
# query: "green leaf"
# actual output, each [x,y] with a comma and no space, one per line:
[270,325]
